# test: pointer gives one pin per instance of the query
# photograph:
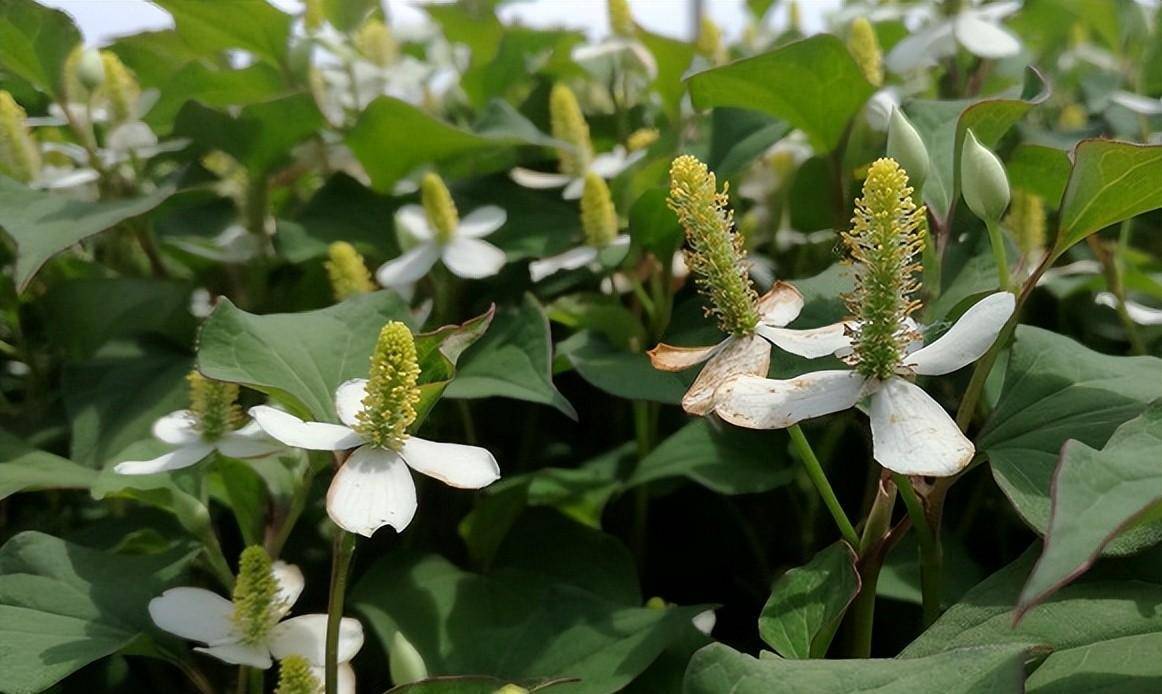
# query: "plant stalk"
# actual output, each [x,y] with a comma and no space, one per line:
[342,549]
[931,552]
[873,547]
[997,241]
[822,485]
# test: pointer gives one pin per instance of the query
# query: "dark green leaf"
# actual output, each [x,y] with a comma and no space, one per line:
[35,42]
[1111,181]
[1041,170]
[260,136]
[808,602]
[258,27]
[25,468]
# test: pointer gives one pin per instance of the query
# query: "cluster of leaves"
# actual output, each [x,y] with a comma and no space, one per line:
[260,139]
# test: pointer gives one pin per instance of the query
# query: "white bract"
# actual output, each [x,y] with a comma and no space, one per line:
[202,615]
[607,166]
[581,256]
[911,432]
[180,429]
[374,487]
[1139,313]
[463,253]
[976,28]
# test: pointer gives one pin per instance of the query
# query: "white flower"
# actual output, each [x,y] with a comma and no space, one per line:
[977,29]
[1139,313]
[1141,105]
[374,487]
[749,354]
[911,432]
[594,57]
[180,429]
[201,615]
[464,254]
[607,166]
[581,256]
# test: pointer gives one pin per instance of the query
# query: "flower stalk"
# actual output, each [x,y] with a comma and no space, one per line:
[343,547]
[931,551]
[822,485]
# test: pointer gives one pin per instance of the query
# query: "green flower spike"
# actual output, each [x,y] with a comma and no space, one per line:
[214,405]
[374,42]
[19,155]
[598,216]
[389,406]
[120,88]
[1026,221]
[348,274]
[257,607]
[441,210]
[865,48]
[569,126]
[295,677]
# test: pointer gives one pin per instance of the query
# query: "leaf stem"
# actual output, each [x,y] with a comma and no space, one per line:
[931,552]
[997,241]
[342,549]
[822,485]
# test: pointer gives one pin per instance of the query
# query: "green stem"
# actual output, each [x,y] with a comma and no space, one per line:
[871,560]
[642,421]
[931,552]
[256,680]
[822,485]
[216,559]
[343,548]
[279,533]
[997,241]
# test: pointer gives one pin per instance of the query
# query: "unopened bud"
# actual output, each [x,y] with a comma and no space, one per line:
[90,68]
[982,180]
[907,148]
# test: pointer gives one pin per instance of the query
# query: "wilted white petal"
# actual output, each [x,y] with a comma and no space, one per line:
[454,464]
[290,584]
[983,38]
[749,355]
[177,428]
[313,436]
[372,489]
[178,458]
[967,340]
[569,260]
[781,305]
[539,179]
[409,267]
[481,222]
[670,358]
[764,403]
[414,222]
[472,258]
[306,636]
[194,613]
[238,653]
[913,435]
[349,400]
[810,343]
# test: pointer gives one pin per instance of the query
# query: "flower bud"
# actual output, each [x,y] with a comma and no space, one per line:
[907,148]
[982,180]
[1026,221]
[389,405]
[295,677]
[257,606]
[620,18]
[313,15]
[214,405]
[641,139]
[568,125]
[709,43]
[865,48]
[374,42]
[19,153]
[440,208]
[405,662]
[598,216]
[90,68]
[120,88]
[345,268]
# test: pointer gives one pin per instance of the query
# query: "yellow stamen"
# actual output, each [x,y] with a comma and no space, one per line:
[569,126]
[374,41]
[345,268]
[214,405]
[19,154]
[440,208]
[389,407]
[120,88]
[256,599]
[620,18]
[641,139]
[295,677]
[865,48]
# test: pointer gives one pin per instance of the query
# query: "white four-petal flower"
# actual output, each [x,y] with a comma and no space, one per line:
[607,166]
[977,28]
[580,256]
[911,432]
[464,253]
[374,488]
[180,429]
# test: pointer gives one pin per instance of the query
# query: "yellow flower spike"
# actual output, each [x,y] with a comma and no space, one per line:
[348,274]
[865,48]
[313,15]
[374,41]
[389,406]
[19,154]
[598,215]
[295,677]
[440,208]
[620,18]
[256,601]
[120,88]
[214,405]
[716,250]
[709,43]
[569,126]
[794,17]
[1072,117]
[885,239]
[641,139]
[1026,220]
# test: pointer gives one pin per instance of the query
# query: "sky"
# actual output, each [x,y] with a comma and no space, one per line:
[102,20]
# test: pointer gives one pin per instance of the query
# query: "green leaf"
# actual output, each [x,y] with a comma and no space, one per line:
[1054,390]
[43,224]
[214,87]
[1111,181]
[300,358]
[63,606]
[342,210]
[738,137]
[437,352]
[724,459]
[718,668]
[673,58]
[654,226]
[35,42]
[1096,494]
[1129,665]
[260,136]
[27,469]
[808,602]
[1041,170]
[627,375]
[813,85]
[212,27]
[474,685]
[172,492]
[512,360]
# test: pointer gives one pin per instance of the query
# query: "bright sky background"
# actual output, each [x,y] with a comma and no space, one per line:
[101,20]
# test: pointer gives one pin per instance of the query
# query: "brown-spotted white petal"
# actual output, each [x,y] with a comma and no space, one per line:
[913,435]
[766,403]
[665,357]
[749,355]
[781,305]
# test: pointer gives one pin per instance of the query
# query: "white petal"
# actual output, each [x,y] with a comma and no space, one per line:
[983,38]
[781,305]
[539,179]
[913,435]
[194,613]
[1141,105]
[372,489]
[921,48]
[349,400]
[569,260]
[176,459]
[620,241]
[481,222]
[177,428]
[704,621]
[414,222]
[764,403]
[996,11]
[740,356]
[574,189]
[669,358]
[811,343]
[240,654]
[967,340]
[306,636]
[472,258]
[454,464]
[409,267]
[610,164]
[248,442]
[346,683]
[1142,314]
[290,584]
[313,436]
[69,179]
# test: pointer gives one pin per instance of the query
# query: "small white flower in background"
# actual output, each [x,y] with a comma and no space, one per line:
[602,58]
[444,236]
[600,225]
[1139,313]
[976,27]
[250,629]
[374,487]
[211,424]
[1141,105]
[569,126]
